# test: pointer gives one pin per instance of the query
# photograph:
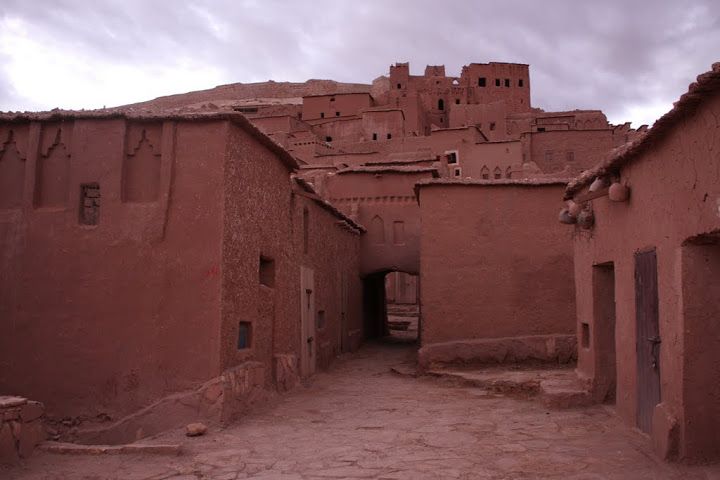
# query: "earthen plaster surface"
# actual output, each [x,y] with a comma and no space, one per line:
[359,420]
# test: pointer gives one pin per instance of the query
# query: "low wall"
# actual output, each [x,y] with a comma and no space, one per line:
[558,349]
[21,428]
[222,399]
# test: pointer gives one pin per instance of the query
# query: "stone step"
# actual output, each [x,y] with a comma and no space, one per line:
[556,388]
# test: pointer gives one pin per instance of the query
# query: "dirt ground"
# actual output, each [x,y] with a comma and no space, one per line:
[359,420]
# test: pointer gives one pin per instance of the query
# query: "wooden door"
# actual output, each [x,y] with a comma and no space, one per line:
[307,322]
[648,338]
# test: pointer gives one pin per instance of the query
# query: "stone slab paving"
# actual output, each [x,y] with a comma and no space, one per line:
[361,421]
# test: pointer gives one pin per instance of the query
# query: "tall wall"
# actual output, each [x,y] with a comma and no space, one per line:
[105,317]
[384,202]
[674,201]
[257,225]
[494,262]
[333,253]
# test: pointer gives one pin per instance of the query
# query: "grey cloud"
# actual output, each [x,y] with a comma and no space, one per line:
[607,55]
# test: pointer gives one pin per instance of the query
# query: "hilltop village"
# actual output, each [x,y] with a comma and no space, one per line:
[192,256]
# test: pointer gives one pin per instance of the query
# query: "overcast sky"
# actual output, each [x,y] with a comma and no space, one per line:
[631,59]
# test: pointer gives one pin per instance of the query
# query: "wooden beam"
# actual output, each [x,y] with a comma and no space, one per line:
[582,198]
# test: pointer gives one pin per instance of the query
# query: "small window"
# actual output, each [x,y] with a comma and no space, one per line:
[585,340]
[332,99]
[441,104]
[320,319]
[541,129]
[497,173]
[520,83]
[374,136]
[328,139]
[497,82]
[267,271]
[457,101]
[299,115]
[90,204]
[399,86]
[337,114]
[507,82]
[441,120]
[244,335]
[482,82]
[452,158]
[322,114]
[492,125]
[389,136]
[458,172]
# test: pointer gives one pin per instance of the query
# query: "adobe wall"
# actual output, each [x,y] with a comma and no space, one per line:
[331,106]
[494,264]
[489,160]
[567,151]
[257,224]
[333,252]
[383,124]
[385,204]
[106,317]
[509,82]
[674,196]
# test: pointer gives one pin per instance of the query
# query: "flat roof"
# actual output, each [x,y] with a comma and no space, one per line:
[154,115]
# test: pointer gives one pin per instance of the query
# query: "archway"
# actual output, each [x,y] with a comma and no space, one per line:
[391,305]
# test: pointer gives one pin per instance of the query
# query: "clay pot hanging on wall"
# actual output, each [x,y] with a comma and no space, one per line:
[574,208]
[618,192]
[565,217]
[598,184]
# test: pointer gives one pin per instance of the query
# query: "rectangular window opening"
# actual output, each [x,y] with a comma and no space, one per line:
[497,82]
[89,204]
[458,172]
[482,81]
[374,136]
[267,271]
[322,114]
[244,335]
[507,82]
[585,337]
[337,114]
[320,319]
[452,158]
[520,83]
[389,136]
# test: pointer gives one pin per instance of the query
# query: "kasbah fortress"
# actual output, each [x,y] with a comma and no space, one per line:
[199,256]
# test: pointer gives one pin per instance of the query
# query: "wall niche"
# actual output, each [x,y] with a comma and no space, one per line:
[142,163]
[12,172]
[53,167]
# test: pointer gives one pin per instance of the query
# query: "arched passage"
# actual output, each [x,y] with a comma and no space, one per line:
[392,306]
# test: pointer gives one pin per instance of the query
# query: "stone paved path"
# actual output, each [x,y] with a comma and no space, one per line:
[361,421]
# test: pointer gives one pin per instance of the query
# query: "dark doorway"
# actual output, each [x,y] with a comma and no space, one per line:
[604,330]
[391,307]
[648,338]
[701,355]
